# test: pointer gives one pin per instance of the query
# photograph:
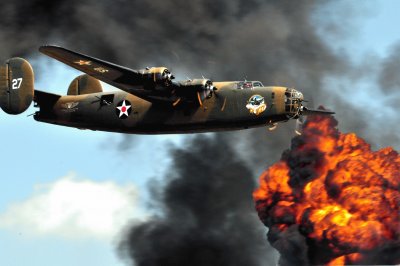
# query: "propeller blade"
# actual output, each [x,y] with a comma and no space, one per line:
[199,99]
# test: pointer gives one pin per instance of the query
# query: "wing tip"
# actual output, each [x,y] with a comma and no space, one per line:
[48,47]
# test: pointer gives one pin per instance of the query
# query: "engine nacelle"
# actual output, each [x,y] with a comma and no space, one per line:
[203,88]
[84,84]
[158,75]
[16,85]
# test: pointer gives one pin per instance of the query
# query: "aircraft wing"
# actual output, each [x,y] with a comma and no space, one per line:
[132,81]
[152,84]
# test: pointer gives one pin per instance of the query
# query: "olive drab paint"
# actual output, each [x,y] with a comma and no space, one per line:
[84,84]
[149,100]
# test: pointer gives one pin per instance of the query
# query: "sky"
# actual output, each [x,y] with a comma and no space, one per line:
[51,175]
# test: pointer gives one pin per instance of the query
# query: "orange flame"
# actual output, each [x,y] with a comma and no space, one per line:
[344,197]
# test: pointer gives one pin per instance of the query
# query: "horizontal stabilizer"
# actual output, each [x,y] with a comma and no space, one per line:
[46,102]
[46,98]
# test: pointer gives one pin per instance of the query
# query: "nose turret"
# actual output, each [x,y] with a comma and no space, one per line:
[298,95]
[293,102]
[295,107]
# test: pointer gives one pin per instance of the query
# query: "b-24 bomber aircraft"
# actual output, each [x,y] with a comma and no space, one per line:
[148,101]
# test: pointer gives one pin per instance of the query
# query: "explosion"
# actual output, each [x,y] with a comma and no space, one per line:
[331,200]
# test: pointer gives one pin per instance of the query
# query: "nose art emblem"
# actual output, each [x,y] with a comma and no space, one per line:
[256,104]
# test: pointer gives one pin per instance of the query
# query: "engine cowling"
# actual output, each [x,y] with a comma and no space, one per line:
[16,85]
[203,88]
[158,75]
[84,84]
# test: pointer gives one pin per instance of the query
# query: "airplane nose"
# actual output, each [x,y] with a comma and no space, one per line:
[299,95]
[293,103]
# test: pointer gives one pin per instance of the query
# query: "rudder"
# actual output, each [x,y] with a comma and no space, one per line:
[16,85]
[84,84]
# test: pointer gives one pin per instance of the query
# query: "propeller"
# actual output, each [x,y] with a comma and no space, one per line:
[167,77]
[209,87]
[205,91]
[214,91]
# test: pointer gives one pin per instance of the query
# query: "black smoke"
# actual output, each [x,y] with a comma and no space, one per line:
[276,42]
[270,40]
[208,215]
[389,78]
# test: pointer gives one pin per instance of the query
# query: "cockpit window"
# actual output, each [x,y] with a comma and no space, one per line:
[245,85]
[248,84]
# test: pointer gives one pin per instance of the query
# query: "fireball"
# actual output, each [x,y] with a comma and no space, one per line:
[339,196]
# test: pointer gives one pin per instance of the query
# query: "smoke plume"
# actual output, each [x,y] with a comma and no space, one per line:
[276,42]
[207,214]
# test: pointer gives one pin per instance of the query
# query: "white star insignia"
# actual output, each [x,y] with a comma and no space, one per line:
[123,109]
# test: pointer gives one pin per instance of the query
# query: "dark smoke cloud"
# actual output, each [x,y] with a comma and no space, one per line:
[208,216]
[389,78]
[272,41]
[291,244]
[385,80]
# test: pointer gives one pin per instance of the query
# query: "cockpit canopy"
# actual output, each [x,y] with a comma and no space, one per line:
[244,85]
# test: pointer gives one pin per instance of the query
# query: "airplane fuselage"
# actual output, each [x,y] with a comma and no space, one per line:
[149,101]
[119,111]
